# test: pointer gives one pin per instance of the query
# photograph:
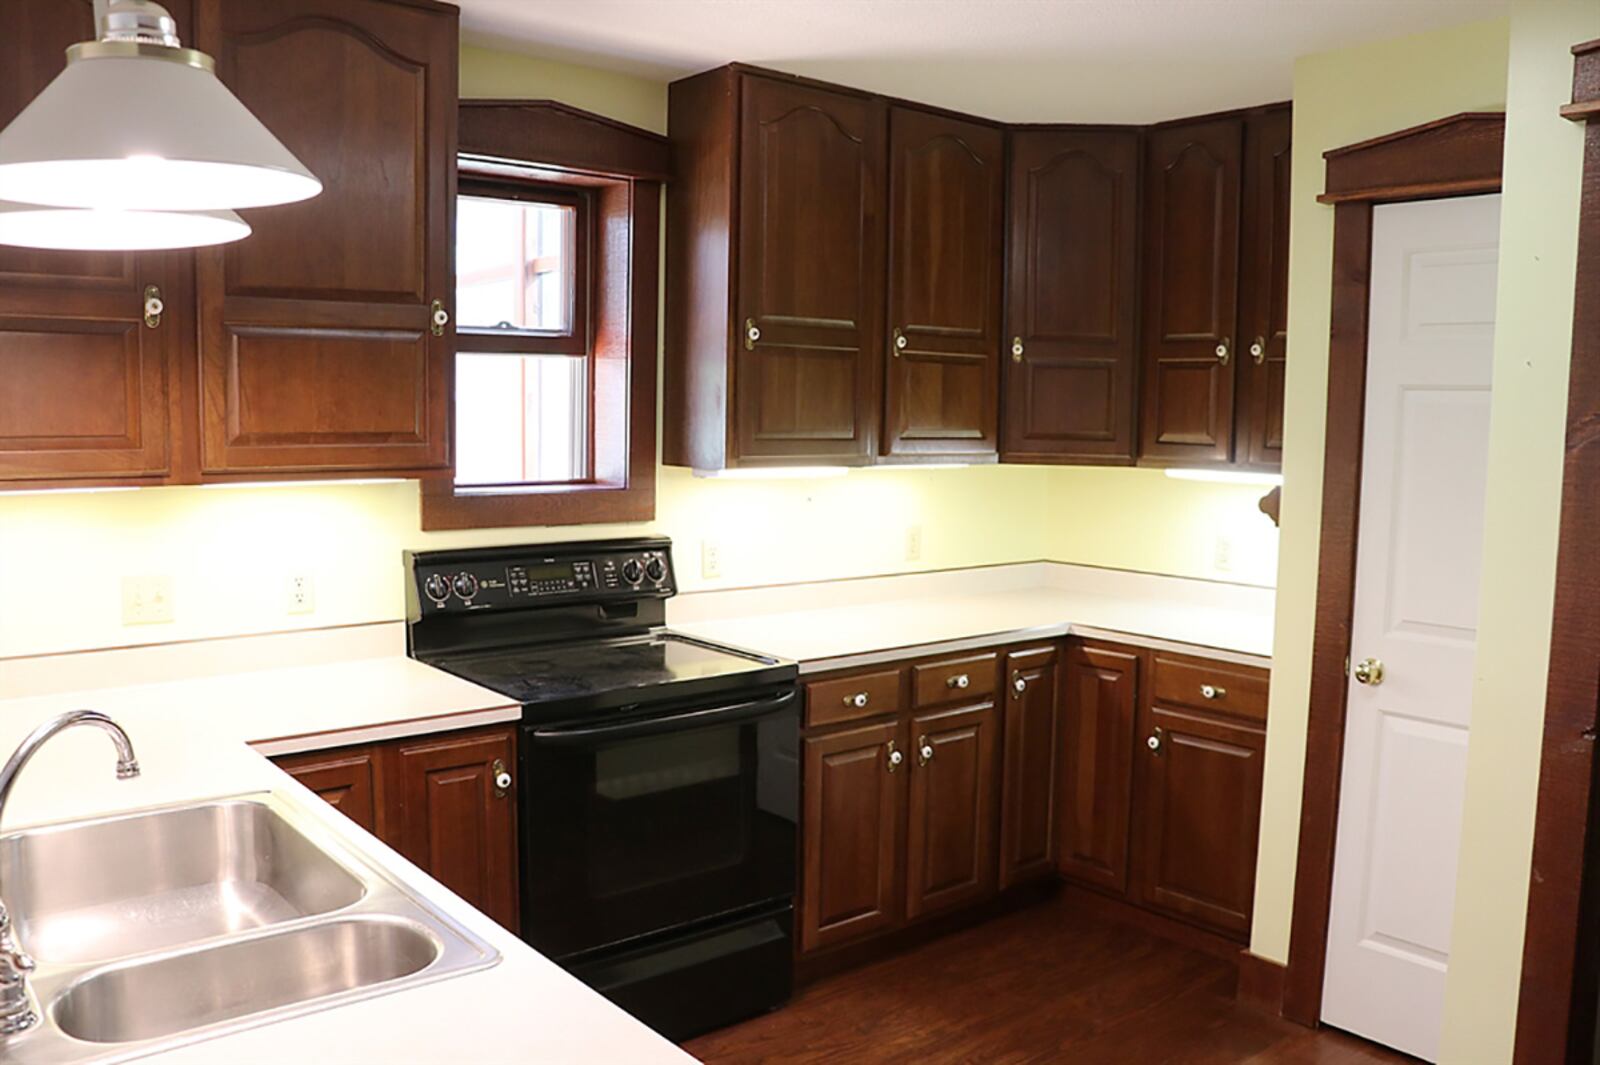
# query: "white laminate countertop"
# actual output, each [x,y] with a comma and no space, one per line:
[851,623]
[193,740]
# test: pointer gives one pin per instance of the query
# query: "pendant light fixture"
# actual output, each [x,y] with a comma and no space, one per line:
[31,225]
[138,123]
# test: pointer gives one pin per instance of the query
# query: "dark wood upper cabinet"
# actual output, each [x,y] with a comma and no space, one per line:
[850,863]
[317,345]
[83,380]
[1028,775]
[1191,286]
[1070,353]
[950,840]
[946,241]
[1099,713]
[454,822]
[1199,817]
[775,273]
[1264,288]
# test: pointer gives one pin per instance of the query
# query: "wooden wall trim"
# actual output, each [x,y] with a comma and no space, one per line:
[1560,958]
[561,137]
[1260,983]
[1453,156]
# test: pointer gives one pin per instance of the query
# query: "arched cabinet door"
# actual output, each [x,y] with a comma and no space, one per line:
[946,241]
[319,350]
[83,378]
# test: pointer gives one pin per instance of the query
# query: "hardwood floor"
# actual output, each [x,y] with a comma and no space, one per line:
[1050,983]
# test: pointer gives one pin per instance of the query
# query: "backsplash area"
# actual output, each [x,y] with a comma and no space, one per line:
[230,555]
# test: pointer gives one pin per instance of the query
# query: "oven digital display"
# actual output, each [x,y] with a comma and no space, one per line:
[550,571]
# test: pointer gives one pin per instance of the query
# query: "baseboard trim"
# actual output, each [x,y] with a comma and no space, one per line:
[1261,983]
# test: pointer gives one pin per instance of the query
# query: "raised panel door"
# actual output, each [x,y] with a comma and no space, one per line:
[854,788]
[1099,714]
[950,839]
[1192,189]
[347,779]
[1199,813]
[1028,775]
[83,380]
[454,822]
[946,258]
[808,306]
[317,347]
[1070,357]
[1264,287]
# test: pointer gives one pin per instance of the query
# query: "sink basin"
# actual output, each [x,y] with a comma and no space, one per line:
[126,885]
[194,989]
[165,927]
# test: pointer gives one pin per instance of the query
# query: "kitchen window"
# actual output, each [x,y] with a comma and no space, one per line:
[558,263]
[524,383]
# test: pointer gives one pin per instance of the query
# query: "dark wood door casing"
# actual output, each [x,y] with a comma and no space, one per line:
[1031,737]
[946,237]
[1192,214]
[950,834]
[854,804]
[809,302]
[317,346]
[1070,353]
[1098,745]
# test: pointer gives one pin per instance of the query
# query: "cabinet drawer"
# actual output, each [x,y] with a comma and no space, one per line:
[969,678]
[1216,686]
[856,696]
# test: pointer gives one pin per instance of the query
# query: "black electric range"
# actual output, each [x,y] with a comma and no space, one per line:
[658,792]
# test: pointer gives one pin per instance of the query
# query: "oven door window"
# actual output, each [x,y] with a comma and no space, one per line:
[646,834]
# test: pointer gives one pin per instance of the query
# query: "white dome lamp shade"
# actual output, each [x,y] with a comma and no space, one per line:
[31,225]
[138,123]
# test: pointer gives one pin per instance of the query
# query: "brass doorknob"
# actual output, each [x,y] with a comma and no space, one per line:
[1369,671]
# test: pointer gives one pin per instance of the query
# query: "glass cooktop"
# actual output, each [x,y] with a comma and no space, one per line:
[659,665]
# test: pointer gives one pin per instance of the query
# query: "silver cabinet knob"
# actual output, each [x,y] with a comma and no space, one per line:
[858,700]
[1212,691]
[1153,741]
[960,680]
[1020,685]
[1369,671]
[1224,350]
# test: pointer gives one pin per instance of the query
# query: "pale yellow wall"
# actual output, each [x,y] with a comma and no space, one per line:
[1339,98]
[1533,345]
[231,550]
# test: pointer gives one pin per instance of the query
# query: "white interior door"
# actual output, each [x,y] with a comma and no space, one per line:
[1418,561]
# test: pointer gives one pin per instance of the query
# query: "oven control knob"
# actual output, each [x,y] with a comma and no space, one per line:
[466,585]
[656,570]
[632,571]
[438,587]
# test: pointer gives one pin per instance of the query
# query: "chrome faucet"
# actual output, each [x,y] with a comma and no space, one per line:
[17,1012]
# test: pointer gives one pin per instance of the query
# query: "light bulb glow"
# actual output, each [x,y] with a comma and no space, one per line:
[75,229]
[149,182]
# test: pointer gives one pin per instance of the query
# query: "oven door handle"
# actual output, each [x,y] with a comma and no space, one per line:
[650,726]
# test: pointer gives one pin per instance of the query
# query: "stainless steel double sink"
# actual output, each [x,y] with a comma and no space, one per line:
[157,928]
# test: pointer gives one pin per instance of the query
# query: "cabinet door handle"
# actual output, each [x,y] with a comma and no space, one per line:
[502,778]
[1020,685]
[1155,740]
[752,333]
[900,342]
[960,680]
[924,751]
[895,757]
[154,306]
[1213,691]
[1016,349]
[438,319]
[1225,350]
[1258,350]
[858,700]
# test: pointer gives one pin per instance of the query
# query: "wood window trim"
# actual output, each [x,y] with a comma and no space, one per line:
[620,170]
[1455,156]
[1556,1013]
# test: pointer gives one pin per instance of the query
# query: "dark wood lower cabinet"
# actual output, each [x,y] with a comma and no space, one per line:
[436,801]
[850,866]
[1030,737]
[1097,750]
[950,839]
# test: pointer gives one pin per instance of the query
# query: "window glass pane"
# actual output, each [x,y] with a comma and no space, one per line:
[521,419]
[514,264]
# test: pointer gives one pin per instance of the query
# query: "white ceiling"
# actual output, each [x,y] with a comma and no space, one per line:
[1016,60]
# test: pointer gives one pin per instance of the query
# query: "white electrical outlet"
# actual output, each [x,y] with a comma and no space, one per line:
[914,543]
[302,594]
[710,559]
[147,600]
[1222,559]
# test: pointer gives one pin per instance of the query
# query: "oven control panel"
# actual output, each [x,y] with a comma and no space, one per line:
[500,578]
